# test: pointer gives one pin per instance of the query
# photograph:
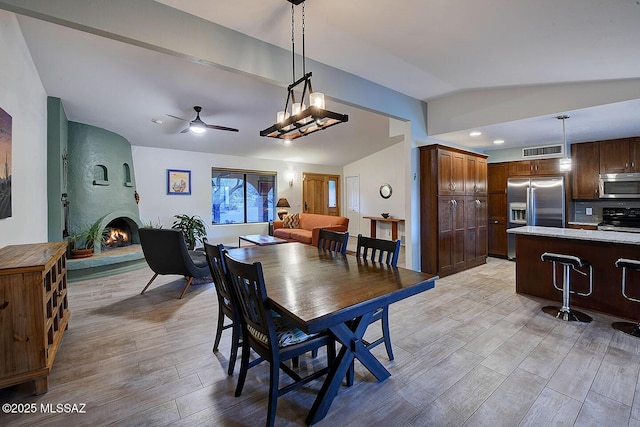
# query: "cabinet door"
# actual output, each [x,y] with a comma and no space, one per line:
[451,172]
[482,210]
[585,168]
[458,173]
[497,224]
[458,251]
[521,168]
[546,167]
[451,234]
[614,156]
[476,182]
[497,177]
[445,235]
[481,177]
[634,154]
[445,172]
[475,243]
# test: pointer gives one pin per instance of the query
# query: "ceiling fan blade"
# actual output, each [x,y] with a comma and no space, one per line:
[185,130]
[222,128]
[176,117]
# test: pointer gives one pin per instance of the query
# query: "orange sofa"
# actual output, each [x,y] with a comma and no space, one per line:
[309,227]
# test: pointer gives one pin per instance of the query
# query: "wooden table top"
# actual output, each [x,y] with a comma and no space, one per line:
[379,218]
[29,257]
[262,240]
[319,288]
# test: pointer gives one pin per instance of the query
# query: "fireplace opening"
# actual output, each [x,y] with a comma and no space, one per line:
[119,233]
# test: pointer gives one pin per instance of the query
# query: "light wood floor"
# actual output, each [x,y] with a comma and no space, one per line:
[469,352]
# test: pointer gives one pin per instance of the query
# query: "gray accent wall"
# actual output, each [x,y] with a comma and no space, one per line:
[57,134]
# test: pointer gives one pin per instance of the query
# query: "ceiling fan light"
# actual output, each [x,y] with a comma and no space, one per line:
[197,128]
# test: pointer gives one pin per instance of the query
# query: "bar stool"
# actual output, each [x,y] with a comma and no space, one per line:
[627,327]
[569,262]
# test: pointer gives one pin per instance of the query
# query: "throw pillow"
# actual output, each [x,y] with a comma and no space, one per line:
[291,221]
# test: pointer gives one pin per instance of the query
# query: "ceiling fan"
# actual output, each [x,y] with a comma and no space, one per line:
[198,126]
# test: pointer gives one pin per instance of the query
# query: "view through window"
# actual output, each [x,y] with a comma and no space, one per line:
[240,196]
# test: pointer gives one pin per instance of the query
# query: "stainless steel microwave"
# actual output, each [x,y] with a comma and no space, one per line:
[620,186]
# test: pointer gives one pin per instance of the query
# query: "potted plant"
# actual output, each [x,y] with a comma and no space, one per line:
[83,241]
[192,228]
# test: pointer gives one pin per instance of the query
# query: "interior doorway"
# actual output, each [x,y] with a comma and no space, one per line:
[353,204]
[321,194]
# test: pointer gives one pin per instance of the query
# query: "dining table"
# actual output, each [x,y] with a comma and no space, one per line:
[320,290]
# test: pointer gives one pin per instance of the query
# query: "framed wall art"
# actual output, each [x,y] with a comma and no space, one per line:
[5,162]
[178,181]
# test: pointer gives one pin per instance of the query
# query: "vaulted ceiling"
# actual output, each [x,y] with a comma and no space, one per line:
[428,50]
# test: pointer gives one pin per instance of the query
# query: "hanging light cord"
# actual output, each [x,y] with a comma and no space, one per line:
[304,56]
[293,44]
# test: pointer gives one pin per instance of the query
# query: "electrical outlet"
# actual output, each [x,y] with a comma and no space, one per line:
[589,211]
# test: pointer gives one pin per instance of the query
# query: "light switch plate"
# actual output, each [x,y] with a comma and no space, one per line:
[589,211]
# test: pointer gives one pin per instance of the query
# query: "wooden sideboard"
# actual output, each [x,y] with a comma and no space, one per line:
[34,311]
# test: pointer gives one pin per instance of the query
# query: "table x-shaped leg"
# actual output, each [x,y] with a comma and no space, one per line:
[352,347]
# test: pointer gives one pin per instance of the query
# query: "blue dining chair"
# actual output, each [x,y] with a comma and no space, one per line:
[227,304]
[333,240]
[271,336]
[384,251]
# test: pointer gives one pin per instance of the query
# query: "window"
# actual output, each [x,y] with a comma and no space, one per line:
[239,196]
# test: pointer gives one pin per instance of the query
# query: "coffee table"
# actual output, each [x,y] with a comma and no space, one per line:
[261,240]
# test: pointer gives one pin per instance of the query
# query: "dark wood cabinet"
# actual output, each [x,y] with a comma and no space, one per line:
[476,176]
[585,165]
[497,174]
[453,209]
[451,234]
[546,167]
[520,168]
[475,234]
[534,167]
[620,155]
[451,172]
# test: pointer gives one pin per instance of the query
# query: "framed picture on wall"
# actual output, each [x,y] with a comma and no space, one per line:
[178,181]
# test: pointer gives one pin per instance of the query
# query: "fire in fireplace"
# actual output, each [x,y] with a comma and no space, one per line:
[119,233]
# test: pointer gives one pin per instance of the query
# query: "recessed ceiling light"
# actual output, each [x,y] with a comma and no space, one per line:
[475,133]
[157,121]
[498,141]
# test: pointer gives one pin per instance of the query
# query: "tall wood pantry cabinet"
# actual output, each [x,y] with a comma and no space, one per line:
[34,311]
[453,209]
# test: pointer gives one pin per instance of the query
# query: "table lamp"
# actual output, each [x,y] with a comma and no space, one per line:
[282,204]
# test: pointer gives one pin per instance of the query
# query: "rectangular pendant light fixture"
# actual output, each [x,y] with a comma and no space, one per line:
[302,120]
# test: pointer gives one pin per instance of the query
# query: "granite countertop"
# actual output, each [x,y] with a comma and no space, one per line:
[576,234]
[595,224]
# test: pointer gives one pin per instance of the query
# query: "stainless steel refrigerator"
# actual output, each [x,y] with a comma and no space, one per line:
[534,201]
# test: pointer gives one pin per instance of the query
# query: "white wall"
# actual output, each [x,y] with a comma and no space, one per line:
[386,166]
[151,166]
[23,97]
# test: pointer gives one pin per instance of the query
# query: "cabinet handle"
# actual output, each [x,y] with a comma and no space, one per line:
[626,165]
[496,222]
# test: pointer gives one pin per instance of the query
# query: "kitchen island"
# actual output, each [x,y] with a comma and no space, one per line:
[600,248]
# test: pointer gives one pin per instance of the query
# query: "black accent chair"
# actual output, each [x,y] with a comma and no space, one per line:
[333,240]
[385,251]
[227,305]
[166,253]
[273,338]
